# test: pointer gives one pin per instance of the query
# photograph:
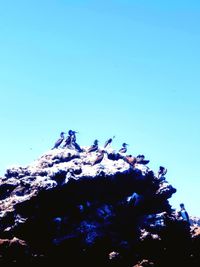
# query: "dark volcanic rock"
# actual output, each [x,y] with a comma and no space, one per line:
[64,207]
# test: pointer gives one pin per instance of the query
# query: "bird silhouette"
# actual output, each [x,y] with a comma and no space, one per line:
[162,171]
[72,134]
[124,148]
[141,159]
[108,142]
[130,159]
[67,141]
[94,147]
[59,141]
[70,139]
[99,158]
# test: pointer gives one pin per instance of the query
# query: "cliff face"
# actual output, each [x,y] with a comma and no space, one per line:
[68,206]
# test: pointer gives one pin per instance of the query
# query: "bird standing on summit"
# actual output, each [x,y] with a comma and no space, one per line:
[141,159]
[124,148]
[67,142]
[184,214]
[59,141]
[73,143]
[108,142]
[71,138]
[130,159]
[162,171]
[94,147]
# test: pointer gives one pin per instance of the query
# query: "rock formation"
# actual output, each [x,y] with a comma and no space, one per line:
[64,208]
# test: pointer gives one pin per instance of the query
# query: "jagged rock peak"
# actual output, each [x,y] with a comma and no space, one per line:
[74,199]
[60,166]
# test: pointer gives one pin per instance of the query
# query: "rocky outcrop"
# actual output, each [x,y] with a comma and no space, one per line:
[110,213]
[195,221]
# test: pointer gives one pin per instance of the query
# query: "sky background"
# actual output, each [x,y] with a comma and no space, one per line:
[109,67]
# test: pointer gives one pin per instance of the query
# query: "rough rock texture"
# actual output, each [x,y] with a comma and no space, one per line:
[65,208]
[195,221]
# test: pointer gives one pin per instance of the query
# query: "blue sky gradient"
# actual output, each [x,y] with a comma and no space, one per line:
[103,68]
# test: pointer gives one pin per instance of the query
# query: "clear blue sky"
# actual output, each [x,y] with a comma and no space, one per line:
[104,68]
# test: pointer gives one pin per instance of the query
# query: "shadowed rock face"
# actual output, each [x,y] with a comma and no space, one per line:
[63,207]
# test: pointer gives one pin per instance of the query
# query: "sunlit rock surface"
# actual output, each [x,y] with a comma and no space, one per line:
[63,207]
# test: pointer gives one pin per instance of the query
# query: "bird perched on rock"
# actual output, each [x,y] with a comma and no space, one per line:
[141,159]
[184,214]
[73,144]
[67,141]
[77,147]
[59,141]
[99,158]
[130,159]
[124,148]
[162,171]
[73,135]
[108,142]
[71,139]
[94,147]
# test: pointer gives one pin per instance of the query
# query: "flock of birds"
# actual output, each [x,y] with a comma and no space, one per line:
[70,143]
